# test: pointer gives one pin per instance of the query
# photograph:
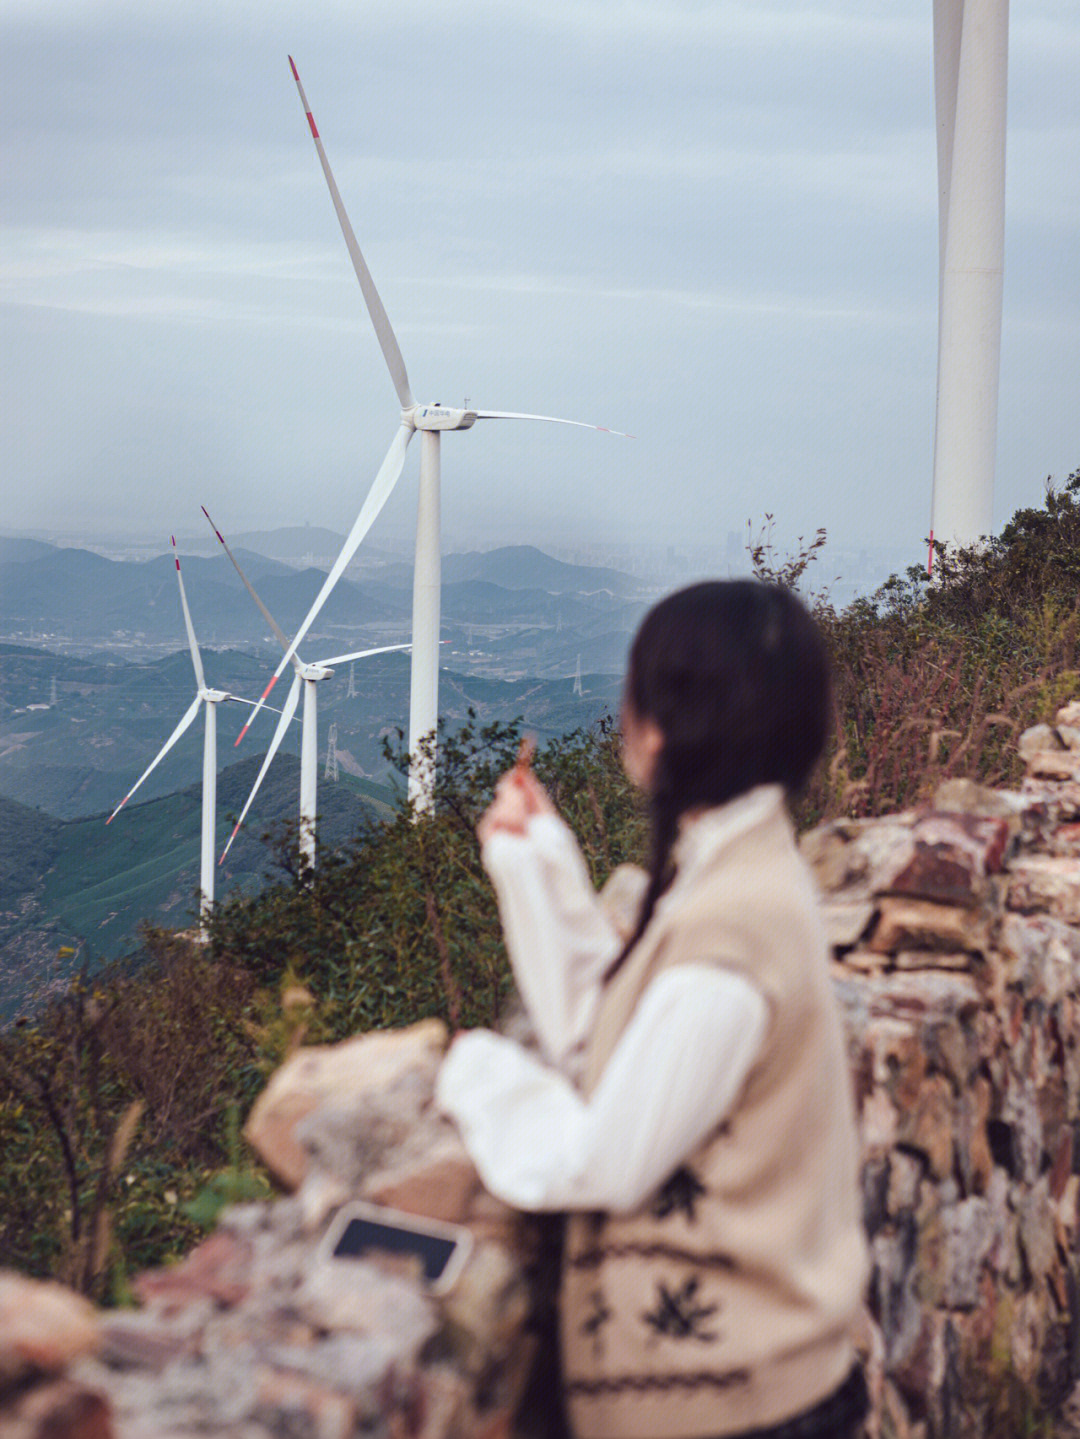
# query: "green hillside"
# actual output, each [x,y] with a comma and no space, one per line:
[77,753]
[80,754]
[88,886]
[28,845]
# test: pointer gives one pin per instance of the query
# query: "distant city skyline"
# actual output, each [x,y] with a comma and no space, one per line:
[713,225]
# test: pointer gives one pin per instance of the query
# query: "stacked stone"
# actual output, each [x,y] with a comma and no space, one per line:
[43,1329]
[253,1336]
[956,939]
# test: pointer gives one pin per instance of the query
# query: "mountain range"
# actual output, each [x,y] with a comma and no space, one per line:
[84,599]
[86,706]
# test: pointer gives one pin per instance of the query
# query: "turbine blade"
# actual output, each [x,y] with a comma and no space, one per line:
[196,658]
[279,734]
[193,710]
[385,480]
[551,420]
[379,318]
[252,704]
[363,654]
[267,616]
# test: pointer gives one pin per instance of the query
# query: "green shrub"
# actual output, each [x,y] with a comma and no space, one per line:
[935,679]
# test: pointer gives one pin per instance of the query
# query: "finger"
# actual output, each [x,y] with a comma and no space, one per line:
[535,795]
[506,812]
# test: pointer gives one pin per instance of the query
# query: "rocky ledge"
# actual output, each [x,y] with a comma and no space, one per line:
[252,1335]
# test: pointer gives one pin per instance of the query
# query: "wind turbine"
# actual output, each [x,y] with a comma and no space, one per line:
[430,420]
[211,699]
[308,676]
[971,43]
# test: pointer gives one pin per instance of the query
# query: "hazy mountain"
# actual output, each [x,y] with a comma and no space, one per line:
[311,545]
[83,596]
[15,550]
[525,567]
[291,542]
[517,567]
[79,597]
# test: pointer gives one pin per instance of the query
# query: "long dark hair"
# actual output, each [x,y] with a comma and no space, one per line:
[735,675]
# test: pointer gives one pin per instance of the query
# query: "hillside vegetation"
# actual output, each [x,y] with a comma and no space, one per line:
[939,678]
[28,845]
[119,1105]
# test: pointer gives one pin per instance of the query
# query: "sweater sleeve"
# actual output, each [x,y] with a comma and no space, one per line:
[672,1078]
[558,937]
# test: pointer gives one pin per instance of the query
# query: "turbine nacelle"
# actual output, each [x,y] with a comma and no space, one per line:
[215,697]
[438,417]
[315,672]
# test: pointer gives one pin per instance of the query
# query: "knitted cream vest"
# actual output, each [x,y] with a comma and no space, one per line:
[727,1302]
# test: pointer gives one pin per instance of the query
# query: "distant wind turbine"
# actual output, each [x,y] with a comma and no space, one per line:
[211,699]
[309,676]
[430,420]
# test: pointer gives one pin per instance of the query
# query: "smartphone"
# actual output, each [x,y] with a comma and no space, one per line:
[359,1229]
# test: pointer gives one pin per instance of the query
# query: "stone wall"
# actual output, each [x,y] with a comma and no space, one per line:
[956,934]
[956,937]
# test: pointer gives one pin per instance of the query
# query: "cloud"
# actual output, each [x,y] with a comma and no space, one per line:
[53,253]
[564,206]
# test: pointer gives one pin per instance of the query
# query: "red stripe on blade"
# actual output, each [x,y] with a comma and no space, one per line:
[214,527]
[266,691]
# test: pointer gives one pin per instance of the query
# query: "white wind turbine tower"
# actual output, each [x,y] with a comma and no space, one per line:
[430,420]
[308,676]
[971,43]
[211,699]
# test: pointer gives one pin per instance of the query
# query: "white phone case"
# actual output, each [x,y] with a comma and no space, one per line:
[406,1224]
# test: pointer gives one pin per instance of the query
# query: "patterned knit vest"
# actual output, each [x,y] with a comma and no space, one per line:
[728,1300]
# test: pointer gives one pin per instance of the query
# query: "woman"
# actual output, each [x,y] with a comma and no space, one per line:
[692,1105]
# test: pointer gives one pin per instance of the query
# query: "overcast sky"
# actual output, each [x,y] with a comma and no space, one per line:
[713,225]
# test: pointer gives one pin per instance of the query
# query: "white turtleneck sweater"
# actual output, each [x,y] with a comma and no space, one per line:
[675,1072]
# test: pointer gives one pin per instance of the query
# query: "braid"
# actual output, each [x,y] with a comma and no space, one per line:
[665,828]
